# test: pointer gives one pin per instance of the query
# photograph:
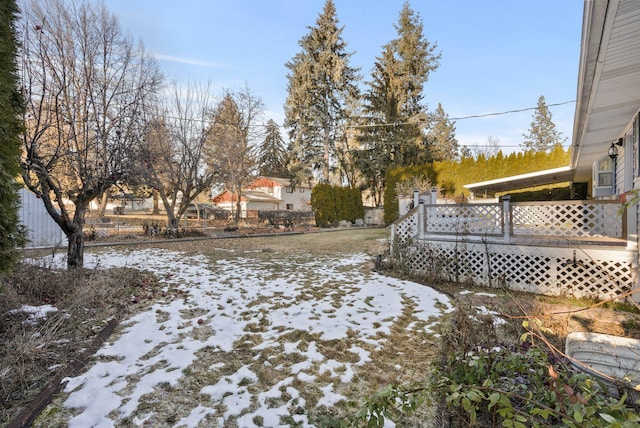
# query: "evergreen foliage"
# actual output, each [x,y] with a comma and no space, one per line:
[543,135]
[424,172]
[273,152]
[453,175]
[393,129]
[331,204]
[442,136]
[11,235]
[321,84]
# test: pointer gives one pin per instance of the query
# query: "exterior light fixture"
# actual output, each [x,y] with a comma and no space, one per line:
[613,150]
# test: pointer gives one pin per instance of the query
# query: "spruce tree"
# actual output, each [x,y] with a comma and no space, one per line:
[11,107]
[442,136]
[393,134]
[321,84]
[272,152]
[543,135]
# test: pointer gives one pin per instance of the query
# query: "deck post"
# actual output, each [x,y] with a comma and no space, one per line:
[630,225]
[506,218]
[421,218]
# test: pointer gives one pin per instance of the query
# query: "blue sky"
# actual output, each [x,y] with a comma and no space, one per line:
[497,55]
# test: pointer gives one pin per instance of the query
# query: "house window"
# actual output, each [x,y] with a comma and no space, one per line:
[603,177]
[605,172]
[289,189]
[289,207]
[301,190]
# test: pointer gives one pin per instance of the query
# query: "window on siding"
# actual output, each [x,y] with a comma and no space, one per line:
[289,189]
[603,177]
[290,207]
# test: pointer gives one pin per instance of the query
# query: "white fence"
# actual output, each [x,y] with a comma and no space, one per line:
[42,231]
[567,219]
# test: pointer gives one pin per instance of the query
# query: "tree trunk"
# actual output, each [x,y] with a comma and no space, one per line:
[75,250]
[103,204]
[156,203]
[238,206]
[325,168]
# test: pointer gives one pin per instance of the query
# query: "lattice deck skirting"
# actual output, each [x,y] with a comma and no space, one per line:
[579,272]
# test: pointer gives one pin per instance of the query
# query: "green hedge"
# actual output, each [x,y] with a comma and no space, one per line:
[331,204]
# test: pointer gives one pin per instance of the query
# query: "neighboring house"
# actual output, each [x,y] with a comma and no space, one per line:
[42,231]
[579,248]
[267,194]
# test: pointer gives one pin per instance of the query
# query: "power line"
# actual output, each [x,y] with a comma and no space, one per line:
[475,116]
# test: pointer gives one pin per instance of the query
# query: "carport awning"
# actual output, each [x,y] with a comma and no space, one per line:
[522,181]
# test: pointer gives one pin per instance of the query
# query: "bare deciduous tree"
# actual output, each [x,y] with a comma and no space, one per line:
[172,156]
[86,87]
[233,141]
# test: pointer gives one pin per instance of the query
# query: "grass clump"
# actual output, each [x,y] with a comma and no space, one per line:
[49,317]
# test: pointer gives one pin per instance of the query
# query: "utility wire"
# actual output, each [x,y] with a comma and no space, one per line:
[509,111]
[475,116]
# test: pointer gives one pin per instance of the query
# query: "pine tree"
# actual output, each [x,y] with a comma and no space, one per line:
[272,153]
[543,135]
[442,136]
[11,107]
[321,84]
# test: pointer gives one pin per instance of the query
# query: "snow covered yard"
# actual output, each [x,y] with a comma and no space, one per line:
[256,339]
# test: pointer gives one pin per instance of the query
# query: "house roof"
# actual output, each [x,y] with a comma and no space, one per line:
[247,195]
[264,181]
[255,196]
[608,92]
[539,178]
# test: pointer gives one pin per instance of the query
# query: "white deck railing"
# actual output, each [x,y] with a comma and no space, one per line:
[592,251]
[511,220]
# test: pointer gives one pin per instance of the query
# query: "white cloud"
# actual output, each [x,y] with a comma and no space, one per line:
[189,61]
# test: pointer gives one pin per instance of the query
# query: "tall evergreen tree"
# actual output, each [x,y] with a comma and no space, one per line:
[321,84]
[442,136]
[11,106]
[272,152]
[394,132]
[543,135]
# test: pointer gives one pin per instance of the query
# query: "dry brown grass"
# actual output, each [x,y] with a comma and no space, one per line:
[34,350]
[31,354]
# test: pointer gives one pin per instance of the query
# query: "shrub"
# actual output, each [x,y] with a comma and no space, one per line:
[331,204]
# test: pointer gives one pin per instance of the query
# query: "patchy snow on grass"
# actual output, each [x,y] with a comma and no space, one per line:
[35,313]
[253,340]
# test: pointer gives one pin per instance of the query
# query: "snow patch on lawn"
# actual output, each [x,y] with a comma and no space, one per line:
[329,298]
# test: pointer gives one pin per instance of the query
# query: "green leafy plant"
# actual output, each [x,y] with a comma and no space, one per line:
[525,384]
[483,379]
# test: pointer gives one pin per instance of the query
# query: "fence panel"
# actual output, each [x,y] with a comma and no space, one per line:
[567,219]
[476,219]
